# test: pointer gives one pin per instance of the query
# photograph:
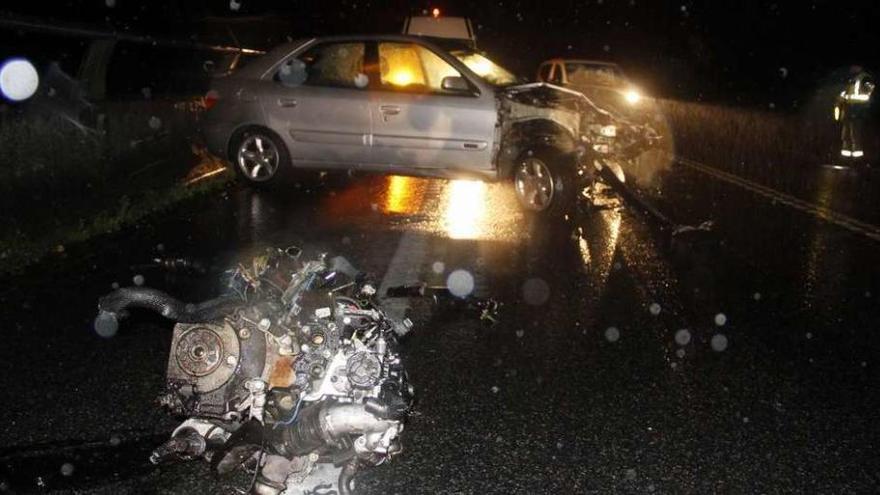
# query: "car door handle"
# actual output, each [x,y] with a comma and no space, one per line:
[286,102]
[389,109]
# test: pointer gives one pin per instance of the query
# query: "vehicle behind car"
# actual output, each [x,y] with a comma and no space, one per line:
[603,82]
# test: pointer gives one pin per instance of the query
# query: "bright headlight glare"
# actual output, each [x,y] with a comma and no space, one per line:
[632,96]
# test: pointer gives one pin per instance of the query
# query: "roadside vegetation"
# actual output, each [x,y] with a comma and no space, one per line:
[64,180]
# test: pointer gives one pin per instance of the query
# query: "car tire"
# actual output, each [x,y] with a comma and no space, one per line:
[544,182]
[260,157]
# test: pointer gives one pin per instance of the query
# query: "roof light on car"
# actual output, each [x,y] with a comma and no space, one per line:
[632,96]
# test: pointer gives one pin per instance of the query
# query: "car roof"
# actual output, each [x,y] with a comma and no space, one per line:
[264,63]
[581,61]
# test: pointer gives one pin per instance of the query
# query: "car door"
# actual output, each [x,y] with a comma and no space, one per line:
[419,125]
[318,103]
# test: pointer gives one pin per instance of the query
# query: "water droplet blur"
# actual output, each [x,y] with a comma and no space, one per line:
[155,123]
[138,280]
[720,319]
[612,334]
[495,389]
[809,335]
[460,283]
[67,469]
[757,296]
[535,291]
[520,333]
[683,337]
[654,308]
[114,285]
[438,267]
[680,353]
[234,6]
[19,79]
[719,342]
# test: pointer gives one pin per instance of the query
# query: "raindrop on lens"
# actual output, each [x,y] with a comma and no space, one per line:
[155,123]
[720,319]
[535,291]
[654,308]
[19,79]
[683,337]
[138,280]
[612,334]
[460,283]
[718,342]
[67,469]
[438,267]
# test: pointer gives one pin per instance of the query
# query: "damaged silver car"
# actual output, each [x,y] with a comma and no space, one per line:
[403,105]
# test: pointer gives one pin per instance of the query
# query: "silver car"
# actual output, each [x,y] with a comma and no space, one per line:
[401,105]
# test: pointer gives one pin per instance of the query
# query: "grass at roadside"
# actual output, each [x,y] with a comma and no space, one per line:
[63,182]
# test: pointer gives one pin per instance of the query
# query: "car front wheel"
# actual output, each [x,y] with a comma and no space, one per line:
[260,157]
[544,182]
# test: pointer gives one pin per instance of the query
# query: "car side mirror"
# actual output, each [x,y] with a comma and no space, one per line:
[456,84]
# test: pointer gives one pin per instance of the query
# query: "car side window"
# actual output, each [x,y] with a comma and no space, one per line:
[412,68]
[544,73]
[338,65]
[556,77]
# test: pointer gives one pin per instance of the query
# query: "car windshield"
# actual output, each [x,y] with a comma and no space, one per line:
[593,74]
[488,70]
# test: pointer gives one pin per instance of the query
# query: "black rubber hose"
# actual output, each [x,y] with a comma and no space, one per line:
[114,306]
[346,476]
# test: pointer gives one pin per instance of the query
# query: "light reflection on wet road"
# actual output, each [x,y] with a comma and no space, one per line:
[546,402]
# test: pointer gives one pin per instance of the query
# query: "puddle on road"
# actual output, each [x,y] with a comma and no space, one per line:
[455,209]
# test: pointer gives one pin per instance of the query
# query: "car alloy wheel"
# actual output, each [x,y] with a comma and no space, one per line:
[534,184]
[258,158]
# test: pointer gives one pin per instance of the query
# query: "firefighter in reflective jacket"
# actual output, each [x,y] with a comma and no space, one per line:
[851,110]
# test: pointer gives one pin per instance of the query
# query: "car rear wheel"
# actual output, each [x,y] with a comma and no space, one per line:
[260,157]
[544,182]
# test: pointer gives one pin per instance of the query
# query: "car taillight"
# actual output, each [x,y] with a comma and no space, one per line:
[210,99]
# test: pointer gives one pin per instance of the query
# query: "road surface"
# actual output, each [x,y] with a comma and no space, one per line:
[740,361]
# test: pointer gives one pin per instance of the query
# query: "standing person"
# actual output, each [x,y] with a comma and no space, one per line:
[851,111]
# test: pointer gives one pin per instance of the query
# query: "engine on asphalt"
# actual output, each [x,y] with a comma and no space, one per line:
[293,375]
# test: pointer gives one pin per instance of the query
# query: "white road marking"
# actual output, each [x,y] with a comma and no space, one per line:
[844,221]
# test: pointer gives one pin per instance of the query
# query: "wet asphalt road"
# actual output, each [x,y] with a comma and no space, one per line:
[741,361]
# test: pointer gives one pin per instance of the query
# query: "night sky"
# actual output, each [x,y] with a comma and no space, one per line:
[730,51]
